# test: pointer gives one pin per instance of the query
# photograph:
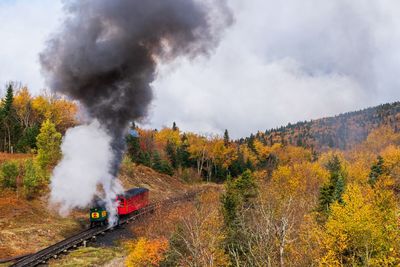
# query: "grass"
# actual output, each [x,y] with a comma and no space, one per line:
[27,226]
[87,257]
[7,156]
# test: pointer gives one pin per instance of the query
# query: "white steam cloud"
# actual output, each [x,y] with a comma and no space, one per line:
[84,170]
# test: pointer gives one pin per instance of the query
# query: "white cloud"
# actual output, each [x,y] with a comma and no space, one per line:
[281,62]
[24,27]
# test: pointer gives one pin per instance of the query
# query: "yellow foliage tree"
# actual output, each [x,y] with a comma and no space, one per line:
[198,150]
[166,135]
[391,160]
[363,230]
[380,138]
[302,179]
[199,238]
[146,253]
[23,106]
[59,110]
[293,154]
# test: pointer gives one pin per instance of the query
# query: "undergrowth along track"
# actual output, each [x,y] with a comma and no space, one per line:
[81,238]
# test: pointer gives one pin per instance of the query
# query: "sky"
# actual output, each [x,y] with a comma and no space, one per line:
[280,62]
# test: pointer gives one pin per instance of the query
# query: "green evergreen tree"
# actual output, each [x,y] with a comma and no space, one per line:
[246,186]
[238,195]
[238,166]
[183,155]
[376,170]
[8,101]
[12,127]
[250,143]
[171,151]
[230,203]
[227,139]
[299,141]
[334,189]
[160,165]
[133,147]
[174,127]
[144,158]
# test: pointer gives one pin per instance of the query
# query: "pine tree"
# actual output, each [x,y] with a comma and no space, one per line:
[250,142]
[333,190]
[133,147]
[174,127]
[230,203]
[238,166]
[8,101]
[183,155]
[238,193]
[171,151]
[246,186]
[160,165]
[376,170]
[226,138]
[9,121]
[144,158]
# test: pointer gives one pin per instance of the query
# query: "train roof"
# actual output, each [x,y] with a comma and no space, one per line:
[134,192]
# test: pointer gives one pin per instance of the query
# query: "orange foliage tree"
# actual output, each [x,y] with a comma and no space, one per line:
[146,253]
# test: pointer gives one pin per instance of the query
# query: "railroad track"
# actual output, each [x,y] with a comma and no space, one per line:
[42,256]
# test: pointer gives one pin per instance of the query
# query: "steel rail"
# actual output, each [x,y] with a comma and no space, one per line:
[71,242]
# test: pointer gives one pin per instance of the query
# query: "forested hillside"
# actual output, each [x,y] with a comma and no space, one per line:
[293,196]
[22,115]
[342,131]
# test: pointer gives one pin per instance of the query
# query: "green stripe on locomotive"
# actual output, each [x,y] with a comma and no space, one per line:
[98,215]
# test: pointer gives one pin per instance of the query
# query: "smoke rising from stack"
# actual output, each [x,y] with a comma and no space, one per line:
[87,158]
[106,54]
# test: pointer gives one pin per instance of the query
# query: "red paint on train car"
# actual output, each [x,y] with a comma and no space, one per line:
[133,200]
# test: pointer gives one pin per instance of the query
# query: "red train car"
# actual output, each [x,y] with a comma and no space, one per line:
[132,200]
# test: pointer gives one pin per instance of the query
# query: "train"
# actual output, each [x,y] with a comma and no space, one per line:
[129,202]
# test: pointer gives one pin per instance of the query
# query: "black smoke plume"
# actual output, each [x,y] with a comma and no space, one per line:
[106,53]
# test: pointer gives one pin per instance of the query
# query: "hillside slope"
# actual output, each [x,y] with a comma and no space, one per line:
[342,131]
[29,225]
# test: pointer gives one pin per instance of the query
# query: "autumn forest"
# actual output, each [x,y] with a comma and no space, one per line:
[318,193]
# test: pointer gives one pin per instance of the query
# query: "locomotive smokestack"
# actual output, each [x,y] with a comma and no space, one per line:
[106,53]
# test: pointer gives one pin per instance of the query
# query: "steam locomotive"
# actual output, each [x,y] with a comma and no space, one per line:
[129,202]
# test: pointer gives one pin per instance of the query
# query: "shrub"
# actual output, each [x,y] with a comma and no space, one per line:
[161,166]
[9,171]
[32,178]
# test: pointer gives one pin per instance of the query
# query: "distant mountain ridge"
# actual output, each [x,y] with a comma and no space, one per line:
[341,131]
